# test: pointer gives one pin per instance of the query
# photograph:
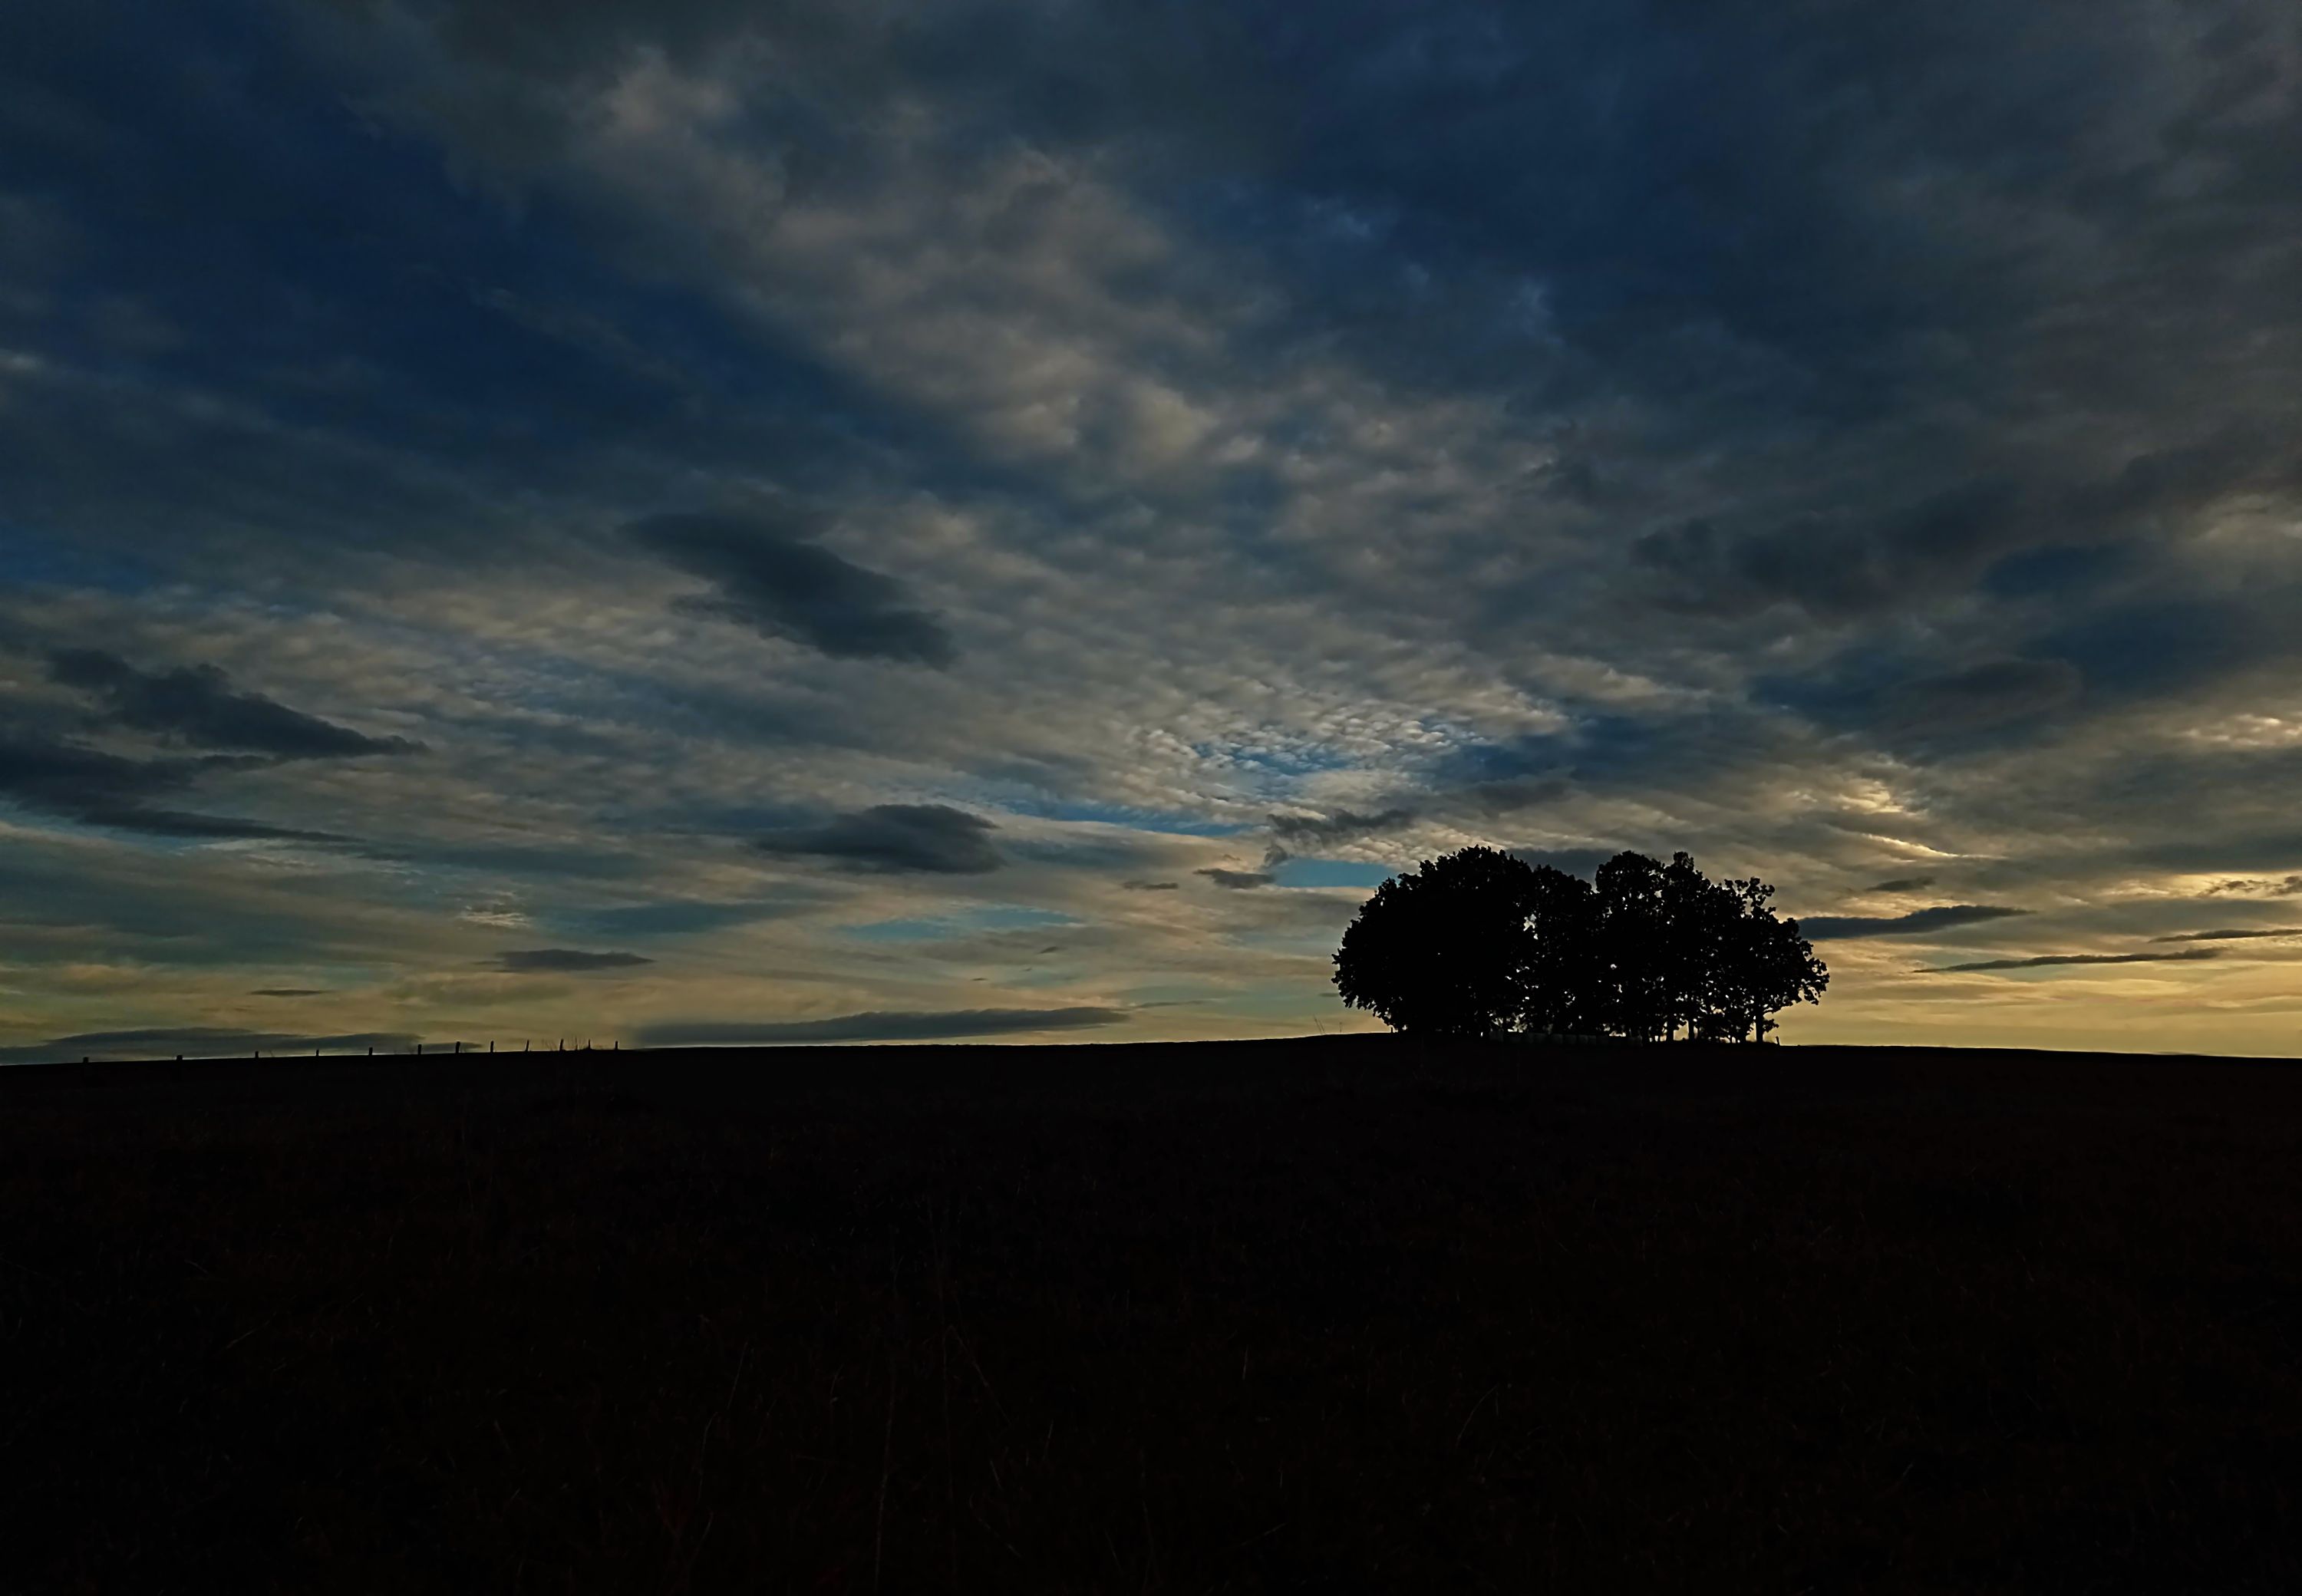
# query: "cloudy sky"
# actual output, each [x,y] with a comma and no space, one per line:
[701,520]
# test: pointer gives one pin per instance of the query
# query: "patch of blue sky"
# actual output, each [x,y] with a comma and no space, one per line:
[1332,873]
[1297,940]
[963,922]
[33,558]
[1170,821]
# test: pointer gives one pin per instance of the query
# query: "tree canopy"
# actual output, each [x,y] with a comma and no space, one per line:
[1481,943]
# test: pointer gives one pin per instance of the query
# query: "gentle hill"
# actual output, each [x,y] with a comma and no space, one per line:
[1315,1314]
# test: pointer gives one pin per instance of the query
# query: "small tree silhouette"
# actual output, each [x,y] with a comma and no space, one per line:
[1443,951]
[1763,963]
[1481,943]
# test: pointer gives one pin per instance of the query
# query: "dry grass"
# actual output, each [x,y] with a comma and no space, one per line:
[1305,1316]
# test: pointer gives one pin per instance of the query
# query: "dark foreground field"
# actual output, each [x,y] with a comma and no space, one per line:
[1287,1316]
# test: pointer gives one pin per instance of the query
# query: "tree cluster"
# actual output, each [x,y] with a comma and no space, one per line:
[1481,943]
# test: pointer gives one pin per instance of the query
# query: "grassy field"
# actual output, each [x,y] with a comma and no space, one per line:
[1318,1315]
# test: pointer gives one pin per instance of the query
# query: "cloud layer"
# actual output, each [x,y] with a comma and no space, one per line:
[1037,509]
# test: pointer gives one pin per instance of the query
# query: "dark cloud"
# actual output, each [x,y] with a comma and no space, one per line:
[786,586]
[878,1026]
[195,1041]
[1510,795]
[1316,830]
[2160,645]
[1903,884]
[932,838]
[1150,886]
[290,992]
[2271,851]
[196,705]
[97,789]
[2231,936]
[1833,569]
[1998,531]
[1944,917]
[2043,960]
[2158,487]
[1991,694]
[1236,881]
[1900,695]
[540,961]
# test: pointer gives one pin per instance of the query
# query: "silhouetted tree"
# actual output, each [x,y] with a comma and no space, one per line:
[1633,931]
[1479,943]
[1556,974]
[1444,951]
[1764,964]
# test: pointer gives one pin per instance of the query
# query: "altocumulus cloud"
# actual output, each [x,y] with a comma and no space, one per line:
[1151,420]
[878,1026]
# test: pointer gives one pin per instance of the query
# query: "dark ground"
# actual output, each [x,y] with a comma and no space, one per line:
[1283,1316]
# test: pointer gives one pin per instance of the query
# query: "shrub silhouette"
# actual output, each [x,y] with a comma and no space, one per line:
[1480,942]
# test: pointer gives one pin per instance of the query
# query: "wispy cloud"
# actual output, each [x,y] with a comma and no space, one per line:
[2042,961]
[197,705]
[564,961]
[2232,936]
[100,788]
[1917,922]
[768,578]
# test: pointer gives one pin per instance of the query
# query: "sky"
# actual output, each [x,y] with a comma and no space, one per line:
[690,521]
